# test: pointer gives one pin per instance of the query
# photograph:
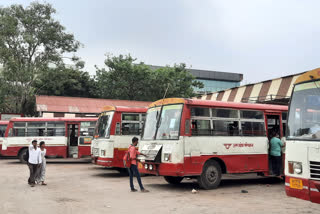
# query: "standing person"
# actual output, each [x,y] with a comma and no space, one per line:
[275,153]
[41,175]
[34,162]
[133,170]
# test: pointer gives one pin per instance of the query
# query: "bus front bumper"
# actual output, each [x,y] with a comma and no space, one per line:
[163,169]
[305,189]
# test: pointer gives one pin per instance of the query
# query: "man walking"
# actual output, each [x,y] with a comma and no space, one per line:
[133,170]
[34,162]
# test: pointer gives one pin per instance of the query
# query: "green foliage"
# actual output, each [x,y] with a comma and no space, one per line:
[63,81]
[30,41]
[123,79]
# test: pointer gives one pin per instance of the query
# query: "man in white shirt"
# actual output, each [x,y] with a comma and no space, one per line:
[34,162]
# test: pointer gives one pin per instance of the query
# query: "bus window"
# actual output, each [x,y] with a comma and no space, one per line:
[284,122]
[87,128]
[56,129]
[169,122]
[130,117]
[225,128]
[2,130]
[200,112]
[253,128]
[225,113]
[245,114]
[130,124]
[36,129]
[201,127]
[103,125]
[130,128]
[19,129]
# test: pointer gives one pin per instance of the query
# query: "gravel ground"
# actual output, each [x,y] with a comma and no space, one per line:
[85,188]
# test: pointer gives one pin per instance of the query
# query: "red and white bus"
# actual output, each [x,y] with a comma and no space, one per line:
[3,128]
[302,164]
[203,139]
[116,127]
[64,137]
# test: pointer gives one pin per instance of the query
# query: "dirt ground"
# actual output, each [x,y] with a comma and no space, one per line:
[86,188]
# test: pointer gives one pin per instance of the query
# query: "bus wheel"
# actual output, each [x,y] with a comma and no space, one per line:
[173,180]
[211,175]
[22,153]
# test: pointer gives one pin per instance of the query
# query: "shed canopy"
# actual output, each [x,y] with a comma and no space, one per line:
[80,104]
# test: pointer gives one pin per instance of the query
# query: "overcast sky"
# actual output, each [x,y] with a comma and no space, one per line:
[262,39]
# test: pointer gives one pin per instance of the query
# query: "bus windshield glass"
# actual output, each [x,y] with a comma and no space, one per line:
[304,115]
[103,125]
[169,124]
[151,123]
[2,130]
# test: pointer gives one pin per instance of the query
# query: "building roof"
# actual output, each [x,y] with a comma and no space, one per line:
[80,105]
[274,91]
[211,75]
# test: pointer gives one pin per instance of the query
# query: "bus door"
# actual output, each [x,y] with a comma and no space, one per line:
[274,126]
[73,135]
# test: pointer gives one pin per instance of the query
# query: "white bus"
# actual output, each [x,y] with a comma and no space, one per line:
[302,164]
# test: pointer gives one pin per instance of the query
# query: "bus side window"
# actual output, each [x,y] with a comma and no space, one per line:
[225,128]
[118,132]
[253,128]
[187,127]
[201,127]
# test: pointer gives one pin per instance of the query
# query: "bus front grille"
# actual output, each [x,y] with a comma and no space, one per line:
[315,170]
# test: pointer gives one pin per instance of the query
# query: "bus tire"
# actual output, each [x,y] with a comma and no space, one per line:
[21,154]
[210,177]
[173,180]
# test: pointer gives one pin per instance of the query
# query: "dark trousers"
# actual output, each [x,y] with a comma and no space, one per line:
[276,165]
[133,170]
[33,168]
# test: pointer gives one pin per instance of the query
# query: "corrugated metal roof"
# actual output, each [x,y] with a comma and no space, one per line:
[265,91]
[80,105]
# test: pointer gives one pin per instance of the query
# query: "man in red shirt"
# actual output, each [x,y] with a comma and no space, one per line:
[133,170]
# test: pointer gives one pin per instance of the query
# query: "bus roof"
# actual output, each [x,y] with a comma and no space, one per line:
[211,103]
[41,119]
[4,122]
[308,76]
[133,109]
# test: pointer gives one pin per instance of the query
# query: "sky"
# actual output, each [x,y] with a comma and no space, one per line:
[262,39]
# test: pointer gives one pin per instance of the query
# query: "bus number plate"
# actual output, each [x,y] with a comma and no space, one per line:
[296,183]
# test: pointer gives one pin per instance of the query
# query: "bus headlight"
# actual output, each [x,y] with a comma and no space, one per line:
[146,166]
[167,157]
[150,167]
[297,167]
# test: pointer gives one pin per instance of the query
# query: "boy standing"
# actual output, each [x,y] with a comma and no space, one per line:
[133,170]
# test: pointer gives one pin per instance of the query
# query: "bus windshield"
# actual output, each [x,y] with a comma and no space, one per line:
[103,125]
[169,123]
[304,115]
[2,130]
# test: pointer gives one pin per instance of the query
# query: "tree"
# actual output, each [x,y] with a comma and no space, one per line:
[124,79]
[179,81]
[63,81]
[31,41]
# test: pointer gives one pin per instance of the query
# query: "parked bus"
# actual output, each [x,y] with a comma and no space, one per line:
[203,139]
[114,131]
[64,137]
[302,164]
[3,127]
